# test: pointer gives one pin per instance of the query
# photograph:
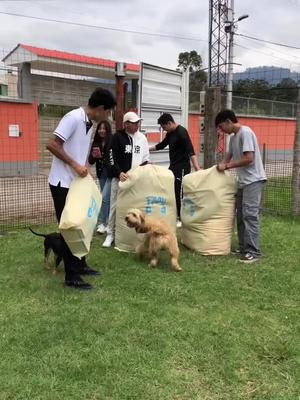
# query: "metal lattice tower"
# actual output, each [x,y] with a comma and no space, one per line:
[218,42]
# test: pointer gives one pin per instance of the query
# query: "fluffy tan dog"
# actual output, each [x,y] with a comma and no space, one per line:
[158,236]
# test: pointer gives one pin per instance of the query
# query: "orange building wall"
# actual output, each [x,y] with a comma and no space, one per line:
[275,133]
[25,147]
[194,130]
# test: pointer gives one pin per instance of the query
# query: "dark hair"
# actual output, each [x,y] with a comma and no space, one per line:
[224,115]
[108,134]
[165,118]
[102,97]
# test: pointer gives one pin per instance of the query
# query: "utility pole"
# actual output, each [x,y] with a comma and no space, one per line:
[217,74]
[230,29]
[217,37]
[230,54]
[120,93]
[212,107]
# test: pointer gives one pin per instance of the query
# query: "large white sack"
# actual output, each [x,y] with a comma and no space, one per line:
[80,214]
[149,188]
[208,211]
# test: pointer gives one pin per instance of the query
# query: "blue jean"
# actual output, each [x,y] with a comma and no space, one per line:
[105,186]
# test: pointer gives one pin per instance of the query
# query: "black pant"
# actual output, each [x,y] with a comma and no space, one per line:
[179,171]
[73,265]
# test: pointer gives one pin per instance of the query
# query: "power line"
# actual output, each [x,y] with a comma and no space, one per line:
[267,41]
[105,27]
[279,52]
[266,54]
[26,1]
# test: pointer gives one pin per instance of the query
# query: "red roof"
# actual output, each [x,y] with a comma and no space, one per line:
[62,55]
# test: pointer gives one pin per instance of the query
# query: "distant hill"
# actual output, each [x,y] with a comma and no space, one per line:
[273,75]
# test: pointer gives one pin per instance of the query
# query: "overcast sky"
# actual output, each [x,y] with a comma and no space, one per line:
[275,20]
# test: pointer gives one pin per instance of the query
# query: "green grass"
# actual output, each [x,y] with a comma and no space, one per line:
[278,196]
[218,330]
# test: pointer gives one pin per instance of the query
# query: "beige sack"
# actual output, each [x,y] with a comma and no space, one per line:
[80,214]
[208,210]
[151,189]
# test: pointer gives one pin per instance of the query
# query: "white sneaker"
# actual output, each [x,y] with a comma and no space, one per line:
[179,224]
[101,229]
[108,241]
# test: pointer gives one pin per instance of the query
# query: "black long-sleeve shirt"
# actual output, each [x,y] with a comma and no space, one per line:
[180,146]
[105,161]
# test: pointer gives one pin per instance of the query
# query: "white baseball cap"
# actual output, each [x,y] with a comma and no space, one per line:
[131,117]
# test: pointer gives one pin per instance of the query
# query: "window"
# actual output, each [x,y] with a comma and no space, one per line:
[3,90]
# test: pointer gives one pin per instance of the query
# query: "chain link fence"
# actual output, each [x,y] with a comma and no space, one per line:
[38,86]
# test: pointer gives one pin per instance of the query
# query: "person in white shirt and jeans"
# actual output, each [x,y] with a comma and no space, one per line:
[129,149]
[70,147]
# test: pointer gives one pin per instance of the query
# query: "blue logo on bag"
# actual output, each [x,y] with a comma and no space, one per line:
[190,206]
[93,210]
[159,200]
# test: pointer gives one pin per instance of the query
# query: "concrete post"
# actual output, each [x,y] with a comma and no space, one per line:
[25,82]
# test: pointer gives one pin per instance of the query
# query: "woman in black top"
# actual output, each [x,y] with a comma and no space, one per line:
[101,155]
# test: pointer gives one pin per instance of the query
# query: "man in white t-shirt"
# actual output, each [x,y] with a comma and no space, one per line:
[70,148]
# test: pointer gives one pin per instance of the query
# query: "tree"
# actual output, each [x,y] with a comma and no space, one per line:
[193,61]
[255,88]
[286,90]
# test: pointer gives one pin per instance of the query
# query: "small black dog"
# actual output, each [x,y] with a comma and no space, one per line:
[52,242]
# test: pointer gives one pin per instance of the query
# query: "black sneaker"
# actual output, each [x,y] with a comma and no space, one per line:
[78,283]
[248,259]
[89,271]
[236,252]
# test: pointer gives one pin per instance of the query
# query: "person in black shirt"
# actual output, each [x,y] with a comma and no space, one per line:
[181,152]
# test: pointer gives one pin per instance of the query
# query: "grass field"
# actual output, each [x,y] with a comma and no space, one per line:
[218,330]
[278,196]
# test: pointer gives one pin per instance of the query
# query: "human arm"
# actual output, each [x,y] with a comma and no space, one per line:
[222,165]
[189,149]
[114,154]
[55,146]
[247,159]
[195,163]
[161,145]
[248,149]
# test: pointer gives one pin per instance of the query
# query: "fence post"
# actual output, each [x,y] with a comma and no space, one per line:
[264,155]
[120,94]
[296,163]
[212,107]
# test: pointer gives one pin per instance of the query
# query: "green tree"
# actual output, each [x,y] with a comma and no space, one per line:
[193,61]
[286,90]
[255,88]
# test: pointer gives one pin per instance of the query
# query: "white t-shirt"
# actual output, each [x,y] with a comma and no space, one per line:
[245,141]
[73,130]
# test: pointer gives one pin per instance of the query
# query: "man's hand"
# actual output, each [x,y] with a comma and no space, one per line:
[123,176]
[88,167]
[81,170]
[221,166]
